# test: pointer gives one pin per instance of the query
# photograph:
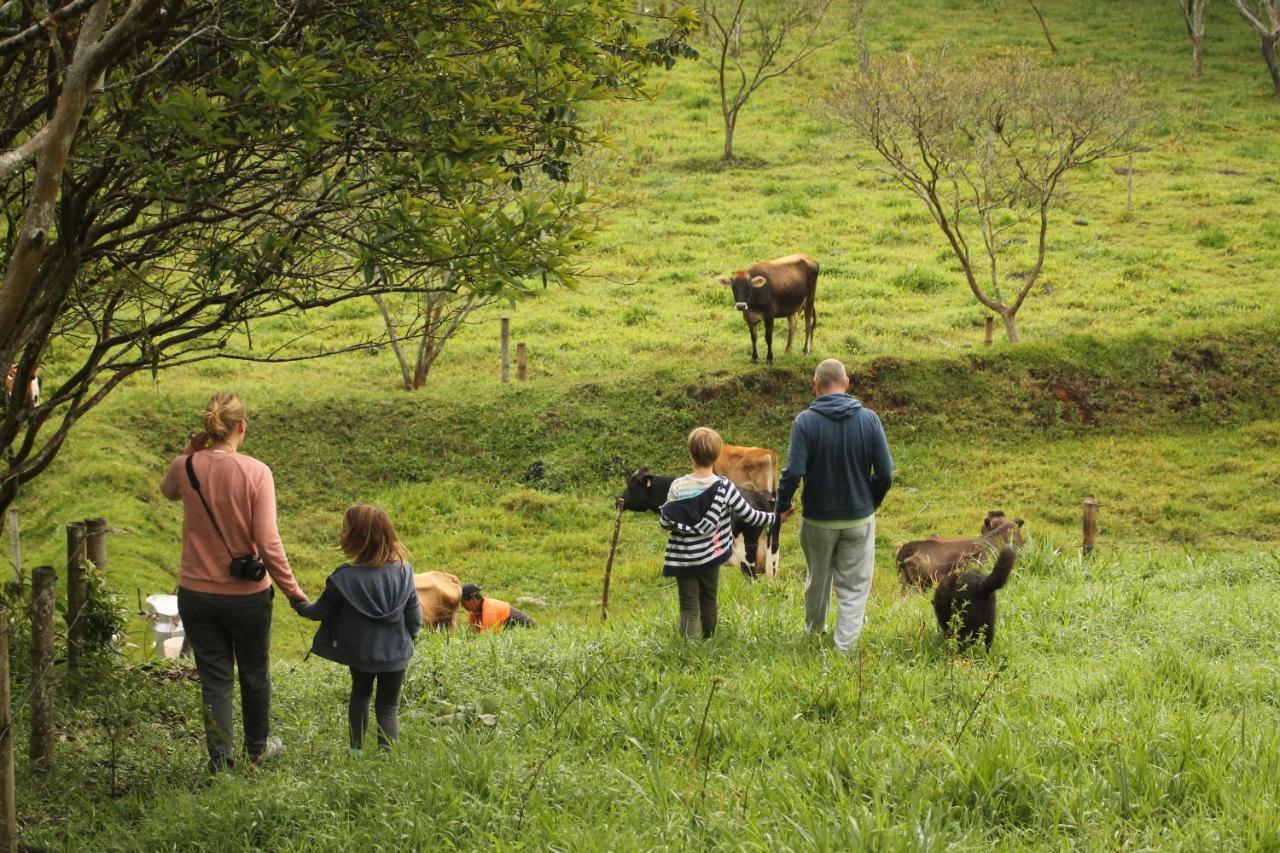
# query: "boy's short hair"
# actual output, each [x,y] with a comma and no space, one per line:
[470,591]
[704,446]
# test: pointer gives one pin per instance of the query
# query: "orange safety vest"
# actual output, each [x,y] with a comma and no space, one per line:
[493,614]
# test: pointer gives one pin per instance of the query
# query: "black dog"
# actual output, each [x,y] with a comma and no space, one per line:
[971,596]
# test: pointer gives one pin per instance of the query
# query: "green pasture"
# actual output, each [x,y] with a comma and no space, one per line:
[1126,704]
[1129,702]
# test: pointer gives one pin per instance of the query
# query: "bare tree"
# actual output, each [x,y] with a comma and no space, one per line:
[858,23]
[1043,26]
[986,147]
[1193,17]
[754,42]
[434,316]
[1264,17]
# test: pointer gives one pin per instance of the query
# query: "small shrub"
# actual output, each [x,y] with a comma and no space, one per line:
[791,206]
[1213,238]
[919,280]
[890,236]
[702,217]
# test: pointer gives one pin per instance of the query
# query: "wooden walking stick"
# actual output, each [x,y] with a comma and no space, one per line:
[608,566]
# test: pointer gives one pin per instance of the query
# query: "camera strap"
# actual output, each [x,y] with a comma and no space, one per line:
[195,484]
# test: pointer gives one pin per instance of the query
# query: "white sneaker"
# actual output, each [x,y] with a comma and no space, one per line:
[273,749]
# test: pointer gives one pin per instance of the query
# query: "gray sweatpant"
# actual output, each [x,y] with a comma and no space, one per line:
[844,559]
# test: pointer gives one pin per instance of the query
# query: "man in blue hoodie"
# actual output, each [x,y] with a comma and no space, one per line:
[838,448]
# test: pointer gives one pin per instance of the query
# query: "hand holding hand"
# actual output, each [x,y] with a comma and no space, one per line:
[298,603]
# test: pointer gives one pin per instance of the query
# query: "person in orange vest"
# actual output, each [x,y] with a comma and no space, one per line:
[489,613]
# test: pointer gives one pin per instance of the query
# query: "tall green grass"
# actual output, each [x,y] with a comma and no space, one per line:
[1126,703]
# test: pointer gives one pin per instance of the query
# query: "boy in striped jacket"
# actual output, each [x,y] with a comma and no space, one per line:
[699,514]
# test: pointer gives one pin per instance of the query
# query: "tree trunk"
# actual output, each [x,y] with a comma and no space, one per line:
[395,343]
[1053,48]
[1010,324]
[730,122]
[1269,44]
[1197,56]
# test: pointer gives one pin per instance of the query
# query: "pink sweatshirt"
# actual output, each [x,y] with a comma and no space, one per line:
[242,494]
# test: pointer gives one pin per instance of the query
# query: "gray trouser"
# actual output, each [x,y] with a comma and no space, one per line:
[228,631]
[845,559]
[698,610]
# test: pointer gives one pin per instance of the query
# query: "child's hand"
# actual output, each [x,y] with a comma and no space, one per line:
[298,603]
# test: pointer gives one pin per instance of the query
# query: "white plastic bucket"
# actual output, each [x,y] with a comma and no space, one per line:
[166,625]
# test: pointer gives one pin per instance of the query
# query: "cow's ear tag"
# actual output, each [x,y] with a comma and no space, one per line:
[758,281]
[648,482]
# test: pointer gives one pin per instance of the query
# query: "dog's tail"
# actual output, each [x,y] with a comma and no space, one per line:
[999,575]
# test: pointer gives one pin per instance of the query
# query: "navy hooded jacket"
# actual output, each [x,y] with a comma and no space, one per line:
[838,448]
[369,617]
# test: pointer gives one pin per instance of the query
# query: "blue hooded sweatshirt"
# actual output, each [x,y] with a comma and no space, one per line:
[369,617]
[838,448]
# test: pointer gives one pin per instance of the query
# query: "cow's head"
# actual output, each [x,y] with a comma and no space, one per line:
[743,286]
[640,495]
[1000,527]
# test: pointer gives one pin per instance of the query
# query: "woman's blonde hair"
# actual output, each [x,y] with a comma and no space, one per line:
[368,537]
[222,415]
[704,446]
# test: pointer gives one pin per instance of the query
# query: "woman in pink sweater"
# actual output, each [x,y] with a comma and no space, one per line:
[229,515]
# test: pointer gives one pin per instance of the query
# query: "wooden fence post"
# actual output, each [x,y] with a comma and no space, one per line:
[42,582]
[8,789]
[77,590]
[522,362]
[608,566]
[96,543]
[506,349]
[991,331]
[1090,526]
[1128,180]
[15,543]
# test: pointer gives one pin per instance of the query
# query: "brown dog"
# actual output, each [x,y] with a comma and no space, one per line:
[925,562]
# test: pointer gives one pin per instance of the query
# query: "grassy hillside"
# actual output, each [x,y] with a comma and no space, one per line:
[1136,700]
[1147,376]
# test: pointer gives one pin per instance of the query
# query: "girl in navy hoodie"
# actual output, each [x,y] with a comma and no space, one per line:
[369,616]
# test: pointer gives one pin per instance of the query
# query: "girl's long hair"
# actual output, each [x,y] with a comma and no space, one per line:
[368,538]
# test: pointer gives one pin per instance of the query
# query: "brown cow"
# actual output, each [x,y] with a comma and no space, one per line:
[776,288]
[754,470]
[927,561]
[439,593]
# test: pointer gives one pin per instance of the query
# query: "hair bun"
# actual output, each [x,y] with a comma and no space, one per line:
[222,415]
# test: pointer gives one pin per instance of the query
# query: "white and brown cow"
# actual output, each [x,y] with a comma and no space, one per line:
[754,470]
[32,396]
[777,288]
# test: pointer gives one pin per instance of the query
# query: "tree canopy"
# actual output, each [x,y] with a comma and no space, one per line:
[172,170]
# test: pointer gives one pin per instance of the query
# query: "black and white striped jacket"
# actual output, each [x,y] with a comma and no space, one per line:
[702,528]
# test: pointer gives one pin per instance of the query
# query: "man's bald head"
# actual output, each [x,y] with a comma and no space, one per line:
[830,378]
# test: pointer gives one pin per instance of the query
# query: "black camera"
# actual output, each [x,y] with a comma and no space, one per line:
[248,568]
